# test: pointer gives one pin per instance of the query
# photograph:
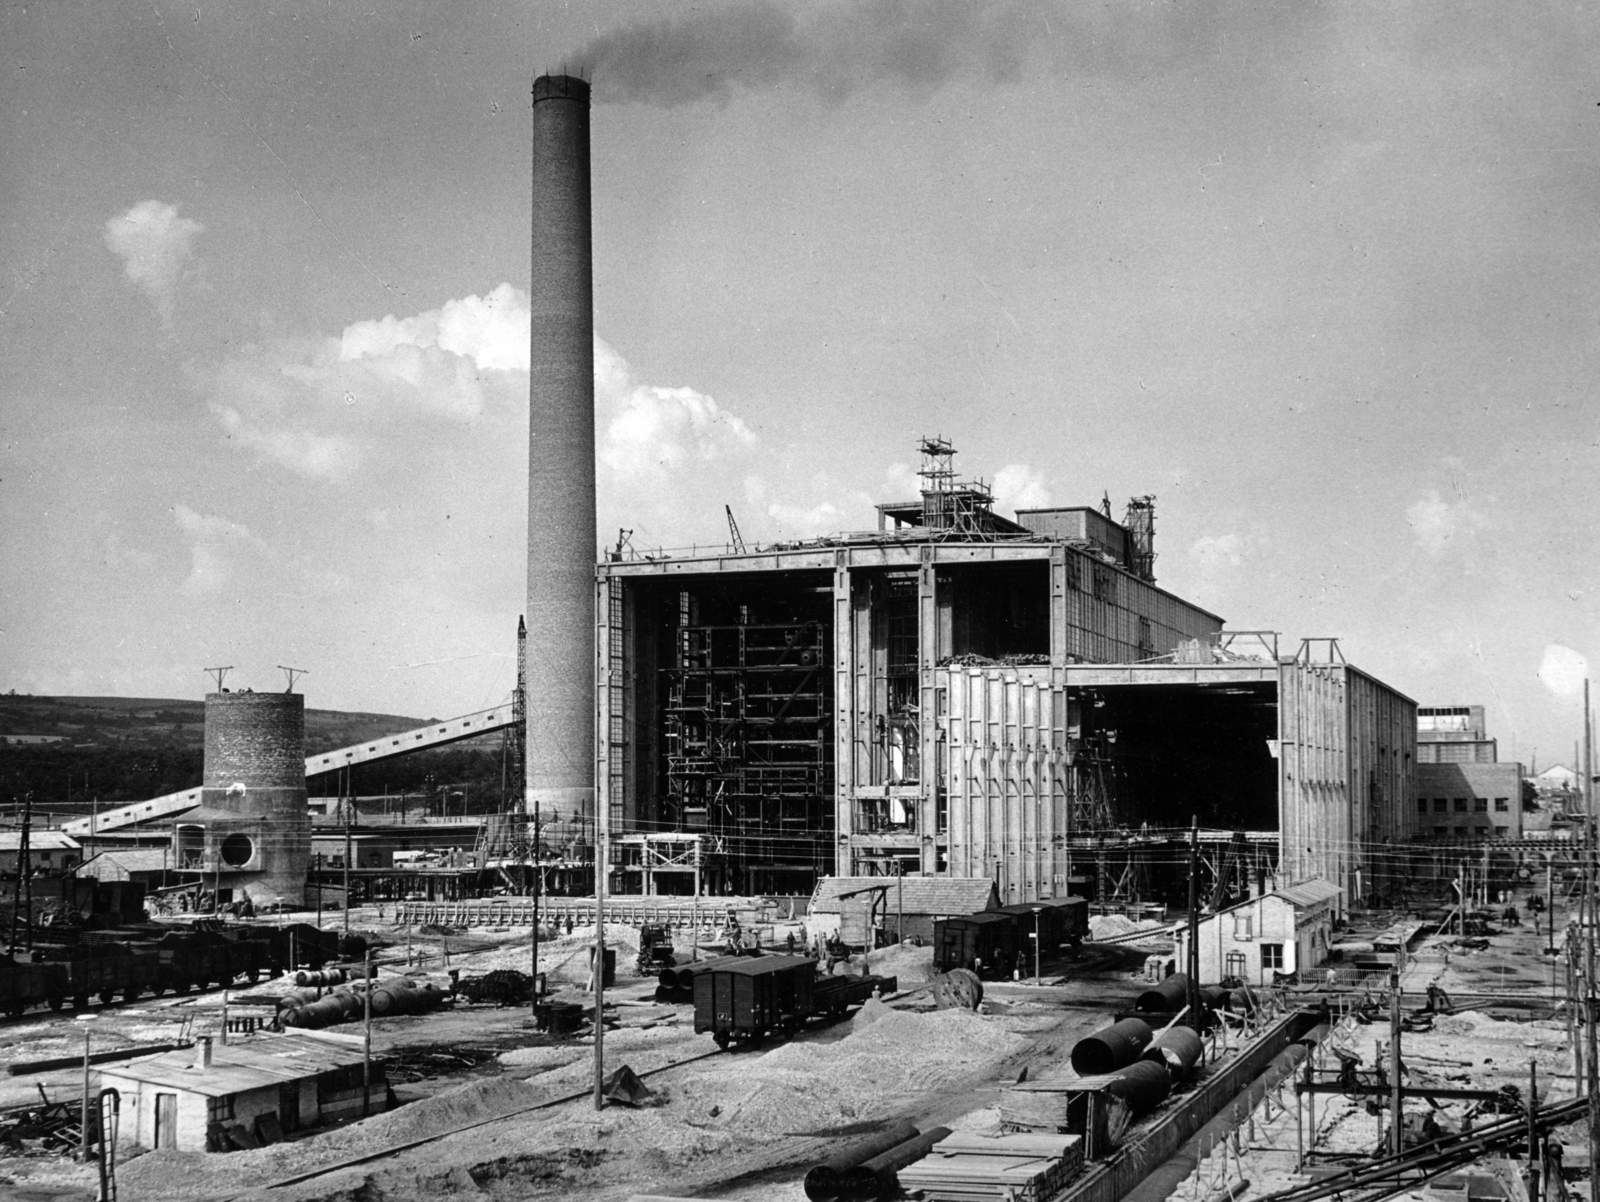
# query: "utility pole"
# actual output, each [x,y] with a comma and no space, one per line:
[221,674]
[1396,1144]
[22,895]
[1194,923]
[347,870]
[1591,868]
[602,828]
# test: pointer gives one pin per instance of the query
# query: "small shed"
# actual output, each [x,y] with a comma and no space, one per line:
[146,866]
[1286,931]
[252,1091]
[48,851]
[873,910]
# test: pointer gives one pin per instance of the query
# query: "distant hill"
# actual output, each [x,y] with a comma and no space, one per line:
[117,749]
[168,724]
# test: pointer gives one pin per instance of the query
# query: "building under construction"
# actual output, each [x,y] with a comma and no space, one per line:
[961,692]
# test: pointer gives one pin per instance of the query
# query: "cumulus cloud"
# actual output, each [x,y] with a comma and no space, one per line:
[1018,486]
[1563,670]
[1212,552]
[324,408]
[655,431]
[1440,525]
[157,251]
[213,542]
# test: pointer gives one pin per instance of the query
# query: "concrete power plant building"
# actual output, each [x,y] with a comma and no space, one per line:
[251,832]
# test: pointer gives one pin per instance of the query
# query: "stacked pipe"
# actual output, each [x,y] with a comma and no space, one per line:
[867,1171]
[676,984]
[398,995]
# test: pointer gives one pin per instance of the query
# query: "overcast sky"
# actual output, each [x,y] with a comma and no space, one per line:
[1321,277]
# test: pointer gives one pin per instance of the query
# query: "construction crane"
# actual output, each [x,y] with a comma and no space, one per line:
[733,531]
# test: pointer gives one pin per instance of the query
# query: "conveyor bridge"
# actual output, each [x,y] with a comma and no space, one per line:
[435,734]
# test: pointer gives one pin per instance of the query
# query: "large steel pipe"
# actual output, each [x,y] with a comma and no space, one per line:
[878,1177]
[1143,1086]
[1168,997]
[828,1181]
[1176,1049]
[1111,1048]
[561,473]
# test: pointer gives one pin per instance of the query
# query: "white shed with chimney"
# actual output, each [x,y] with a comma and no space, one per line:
[253,1091]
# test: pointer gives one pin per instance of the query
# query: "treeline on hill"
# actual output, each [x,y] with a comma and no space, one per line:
[62,778]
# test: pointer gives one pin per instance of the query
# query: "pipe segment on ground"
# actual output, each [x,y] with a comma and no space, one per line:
[1166,998]
[826,1181]
[1177,1049]
[879,1176]
[1142,1085]
[1111,1048]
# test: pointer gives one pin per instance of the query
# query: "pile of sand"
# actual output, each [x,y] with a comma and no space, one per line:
[809,1085]
[910,965]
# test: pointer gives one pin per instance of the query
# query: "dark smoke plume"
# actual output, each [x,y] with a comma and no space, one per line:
[834,48]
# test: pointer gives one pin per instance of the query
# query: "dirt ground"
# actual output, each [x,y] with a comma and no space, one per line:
[1510,1017]
[736,1125]
[743,1124]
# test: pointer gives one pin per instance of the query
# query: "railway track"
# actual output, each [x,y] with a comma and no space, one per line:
[69,1011]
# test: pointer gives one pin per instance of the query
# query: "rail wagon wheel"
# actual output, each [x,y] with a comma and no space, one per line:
[158,988]
[57,1001]
[15,1009]
[130,993]
[80,1001]
[106,995]
[254,975]
[180,985]
[722,1040]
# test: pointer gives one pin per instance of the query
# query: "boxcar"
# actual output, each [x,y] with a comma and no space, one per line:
[749,1000]
[1059,920]
[986,943]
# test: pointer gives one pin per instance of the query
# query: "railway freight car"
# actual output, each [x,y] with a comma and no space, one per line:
[985,943]
[748,1000]
[77,963]
[1057,921]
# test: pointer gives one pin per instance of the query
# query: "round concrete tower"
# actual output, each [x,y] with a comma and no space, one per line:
[252,831]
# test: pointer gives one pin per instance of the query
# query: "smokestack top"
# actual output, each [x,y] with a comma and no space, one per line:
[560,87]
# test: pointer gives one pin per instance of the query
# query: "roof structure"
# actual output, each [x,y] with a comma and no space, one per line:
[38,841]
[936,895]
[262,1061]
[1309,893]
[134,859]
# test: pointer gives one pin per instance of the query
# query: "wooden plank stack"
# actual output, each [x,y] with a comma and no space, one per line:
[1045,1105]
[980,1168]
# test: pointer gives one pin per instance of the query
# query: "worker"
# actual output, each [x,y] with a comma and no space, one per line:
[789,942]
